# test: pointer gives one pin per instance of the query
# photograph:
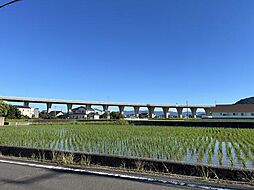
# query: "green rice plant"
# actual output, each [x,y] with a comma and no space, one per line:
[229,154]
[162,143]
[213,147]
[238,154]
[211,150]
[220,153]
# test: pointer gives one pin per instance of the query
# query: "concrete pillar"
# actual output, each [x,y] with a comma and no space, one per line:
[165,111]
[88,106]
[106,110]
[69,108]
[151,112]
[207,111]
[49,105]
[180,112]
[121,110]
[194,112]
[136,111]
[26,104]
[1,121]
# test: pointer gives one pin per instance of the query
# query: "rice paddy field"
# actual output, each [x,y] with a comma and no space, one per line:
[214,146]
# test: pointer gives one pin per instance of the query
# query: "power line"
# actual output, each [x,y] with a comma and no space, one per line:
[13,1]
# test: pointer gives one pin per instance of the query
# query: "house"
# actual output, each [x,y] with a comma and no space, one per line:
[56,113]
[85,113]
[234,111]
[93,115]
[28,111]
[98,112]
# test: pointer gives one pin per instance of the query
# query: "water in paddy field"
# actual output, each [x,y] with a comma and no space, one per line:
[190,156]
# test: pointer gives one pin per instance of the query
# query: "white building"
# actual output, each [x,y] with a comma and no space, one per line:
[85,113]
[235,111]
[29,112]
[1,121]
[98,112]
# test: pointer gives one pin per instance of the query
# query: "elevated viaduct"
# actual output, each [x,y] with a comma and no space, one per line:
[105,105]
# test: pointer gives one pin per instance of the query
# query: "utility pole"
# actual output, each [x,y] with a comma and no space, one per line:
[187,109]
[55,111]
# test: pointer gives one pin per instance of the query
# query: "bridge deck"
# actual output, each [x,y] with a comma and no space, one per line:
[80,102]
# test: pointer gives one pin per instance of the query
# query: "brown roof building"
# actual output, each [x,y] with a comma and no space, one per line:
[233,108]
[234,111]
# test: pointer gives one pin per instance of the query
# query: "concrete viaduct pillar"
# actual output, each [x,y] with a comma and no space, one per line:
[106,110]
[180,112]
[69,108]
[121,110]
[136,111]
[49,105]
[88,106]
[165,112]
[194,112]
[26,104]
[207,111]
[151,112]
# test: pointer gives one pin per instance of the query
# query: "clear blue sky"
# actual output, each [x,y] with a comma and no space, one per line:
[150,51]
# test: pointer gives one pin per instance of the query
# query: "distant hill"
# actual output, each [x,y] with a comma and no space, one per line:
[246,101]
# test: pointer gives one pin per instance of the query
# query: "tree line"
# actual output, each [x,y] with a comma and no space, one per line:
[9,111]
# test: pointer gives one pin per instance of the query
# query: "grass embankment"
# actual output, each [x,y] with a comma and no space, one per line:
[217,146]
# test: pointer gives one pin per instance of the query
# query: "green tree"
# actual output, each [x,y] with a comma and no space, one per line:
[104,115]
[116,115]
[13,112]
[45,115]
[3,109]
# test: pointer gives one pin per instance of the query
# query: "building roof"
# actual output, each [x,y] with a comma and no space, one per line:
[86,108]
[79,108]
[55,112]
[233,108]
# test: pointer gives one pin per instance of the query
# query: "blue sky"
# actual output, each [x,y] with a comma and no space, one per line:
[164,51]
